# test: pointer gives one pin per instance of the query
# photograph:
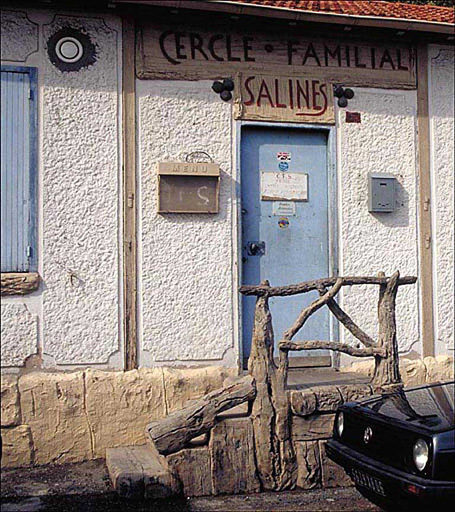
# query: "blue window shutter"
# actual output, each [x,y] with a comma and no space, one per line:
[18,169]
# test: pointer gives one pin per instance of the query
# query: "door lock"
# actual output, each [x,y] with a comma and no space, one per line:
[256,248]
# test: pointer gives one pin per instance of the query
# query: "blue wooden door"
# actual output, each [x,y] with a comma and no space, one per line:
[18,169]
[284,241]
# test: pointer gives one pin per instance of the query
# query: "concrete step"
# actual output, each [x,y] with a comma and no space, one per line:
[139,472]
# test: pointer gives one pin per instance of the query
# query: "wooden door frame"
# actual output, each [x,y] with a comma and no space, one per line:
[424,208]
[129,200]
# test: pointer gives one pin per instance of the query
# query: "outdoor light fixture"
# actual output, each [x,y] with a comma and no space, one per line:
[224,88]
[343,95]
[71,50]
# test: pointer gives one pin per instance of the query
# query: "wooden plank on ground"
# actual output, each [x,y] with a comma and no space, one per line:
[140,472]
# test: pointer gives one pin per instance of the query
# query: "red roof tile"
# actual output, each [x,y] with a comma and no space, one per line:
[376,8]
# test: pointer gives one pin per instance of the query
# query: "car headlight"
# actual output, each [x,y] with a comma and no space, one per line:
[420,453]
[340,423]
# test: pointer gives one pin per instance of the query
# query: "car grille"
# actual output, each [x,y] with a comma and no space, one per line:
[387,444]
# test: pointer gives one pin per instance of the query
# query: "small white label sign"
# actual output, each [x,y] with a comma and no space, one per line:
[284,186]
[280,208]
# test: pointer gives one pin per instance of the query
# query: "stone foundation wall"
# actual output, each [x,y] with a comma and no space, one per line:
[70,417]
[413,371]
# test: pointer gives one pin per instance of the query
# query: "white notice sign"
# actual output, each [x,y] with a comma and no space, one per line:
[280,208]
[284,186]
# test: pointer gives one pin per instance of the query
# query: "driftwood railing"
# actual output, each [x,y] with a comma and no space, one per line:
[265,387]
[270,412]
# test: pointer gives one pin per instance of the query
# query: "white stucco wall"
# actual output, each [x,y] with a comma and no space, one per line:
[384,141]
[186,297]
[442,129]
[188,306]
[77,306]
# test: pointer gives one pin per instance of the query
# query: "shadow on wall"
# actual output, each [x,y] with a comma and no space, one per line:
[400,217]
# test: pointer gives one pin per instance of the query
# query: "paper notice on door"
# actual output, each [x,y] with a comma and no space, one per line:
[284,186]
[280,208]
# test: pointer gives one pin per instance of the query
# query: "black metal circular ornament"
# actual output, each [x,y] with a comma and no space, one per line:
[71,50]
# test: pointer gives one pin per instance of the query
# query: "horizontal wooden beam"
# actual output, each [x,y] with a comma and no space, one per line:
[329,345]
[307,286]
[19,283]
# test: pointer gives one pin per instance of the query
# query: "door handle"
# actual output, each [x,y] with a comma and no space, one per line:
[256,248]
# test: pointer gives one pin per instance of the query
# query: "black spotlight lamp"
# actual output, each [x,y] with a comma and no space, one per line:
[343,95]
[338,91]
[224,88]
[228,84]
[226,95]
[217,87]
[342,102]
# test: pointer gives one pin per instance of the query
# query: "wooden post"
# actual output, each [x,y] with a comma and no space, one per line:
[275,457]
[426,256]
[387,371]
[129,195]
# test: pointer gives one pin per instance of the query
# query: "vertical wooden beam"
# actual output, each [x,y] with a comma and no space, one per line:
[426,256]
[129,194]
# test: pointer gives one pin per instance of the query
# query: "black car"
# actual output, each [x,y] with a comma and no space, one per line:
[399,448]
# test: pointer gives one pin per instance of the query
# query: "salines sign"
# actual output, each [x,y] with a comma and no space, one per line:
[290,99]
[190,52]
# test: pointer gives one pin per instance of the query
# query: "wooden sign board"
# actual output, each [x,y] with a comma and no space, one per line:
[189,168]
[188,187]
[287,99]
[184,52]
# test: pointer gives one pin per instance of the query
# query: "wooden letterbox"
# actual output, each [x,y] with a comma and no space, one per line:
[185,187]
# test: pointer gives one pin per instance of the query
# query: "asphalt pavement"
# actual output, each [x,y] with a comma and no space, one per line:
[85,487]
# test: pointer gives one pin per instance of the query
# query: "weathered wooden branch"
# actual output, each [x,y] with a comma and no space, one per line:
[387,371]
[19,283]
[275,457]
[175,430]
[312,308]
[347,321]
[307,286]
[329,345]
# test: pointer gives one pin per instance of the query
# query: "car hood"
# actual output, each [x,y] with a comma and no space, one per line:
[428,407]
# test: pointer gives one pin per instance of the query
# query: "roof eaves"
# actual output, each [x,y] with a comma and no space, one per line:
[239,8]
[323,14]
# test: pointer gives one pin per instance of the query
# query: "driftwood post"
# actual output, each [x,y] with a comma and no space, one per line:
[275,457]
[270,412]
[387,370]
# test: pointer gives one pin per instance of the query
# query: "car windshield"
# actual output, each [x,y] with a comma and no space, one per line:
[432,407]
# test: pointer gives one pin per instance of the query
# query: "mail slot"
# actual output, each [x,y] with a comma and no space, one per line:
[188,187]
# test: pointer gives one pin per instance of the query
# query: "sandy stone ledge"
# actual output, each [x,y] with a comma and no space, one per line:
[58,417]
[413,371]
[64,417]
